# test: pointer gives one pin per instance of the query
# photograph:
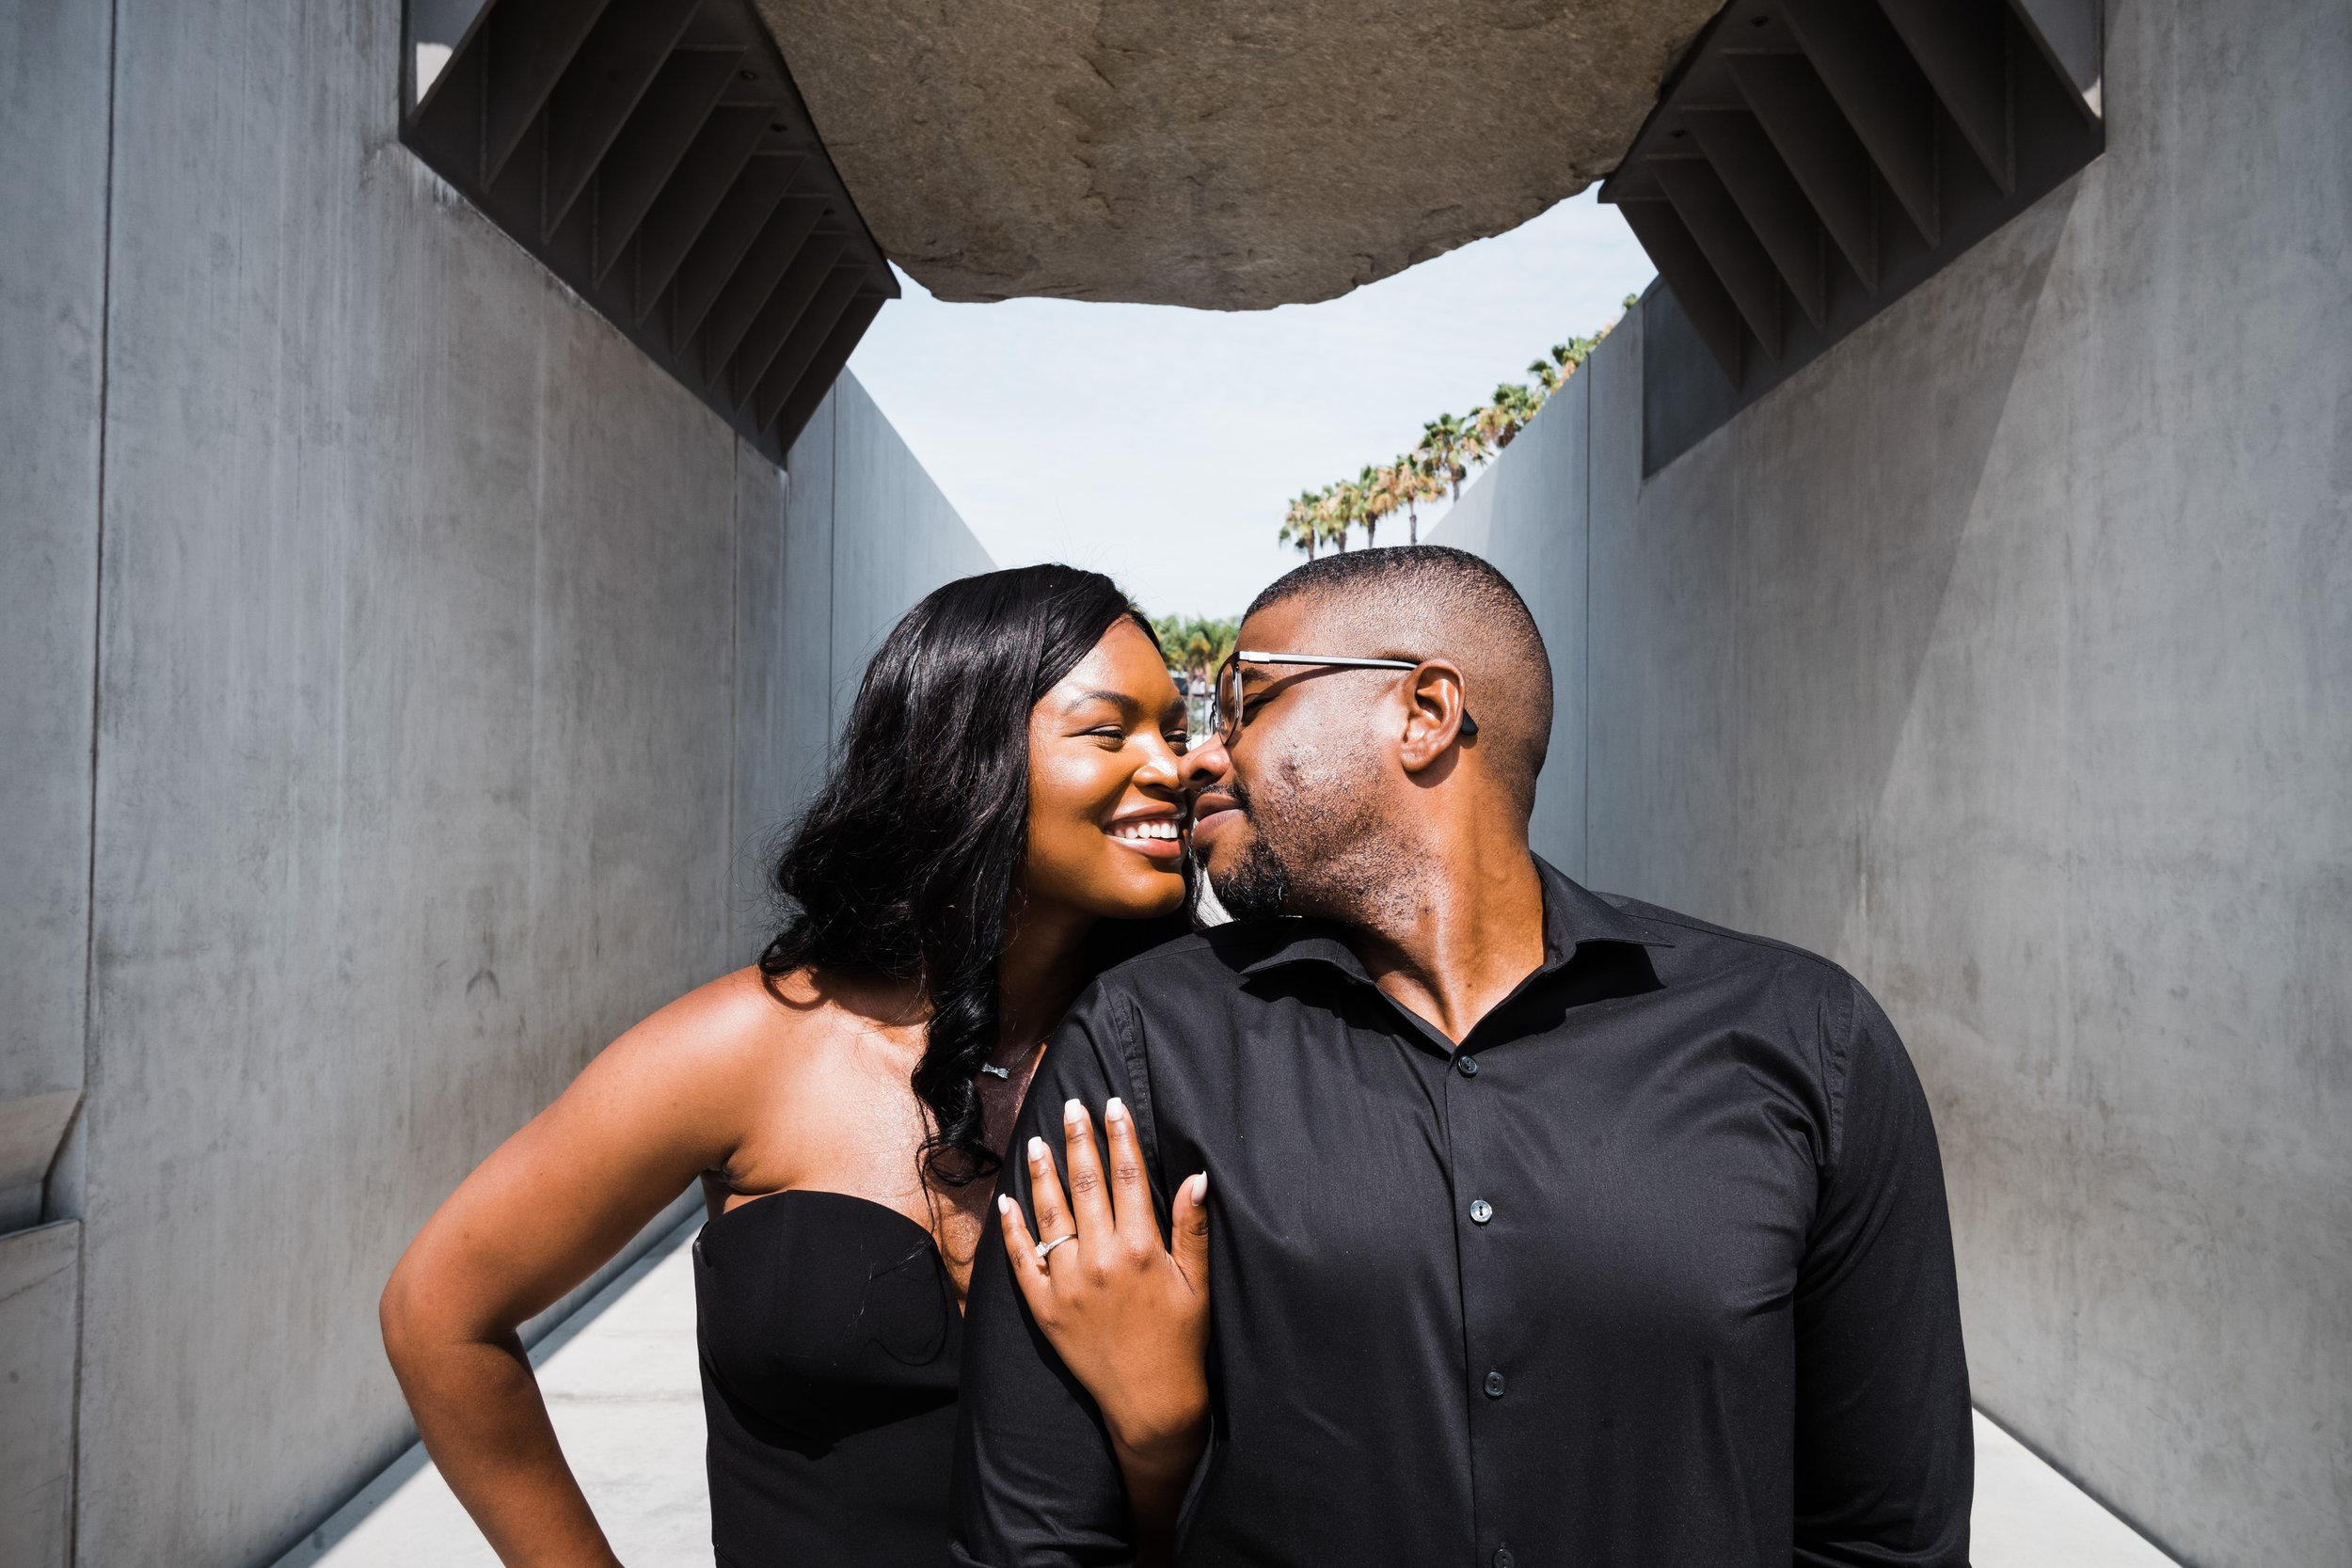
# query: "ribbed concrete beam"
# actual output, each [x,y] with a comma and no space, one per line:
[1232,154]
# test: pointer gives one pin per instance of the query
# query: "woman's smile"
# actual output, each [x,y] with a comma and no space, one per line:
[1157,836]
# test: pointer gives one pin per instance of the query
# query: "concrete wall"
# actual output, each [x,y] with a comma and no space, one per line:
[878,572]
[866,534]
[1526,514]
[54,109]
[53,162]
[448,663]
[2003,655]
[849,471]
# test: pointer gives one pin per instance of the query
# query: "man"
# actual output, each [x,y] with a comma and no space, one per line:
[1546,1228]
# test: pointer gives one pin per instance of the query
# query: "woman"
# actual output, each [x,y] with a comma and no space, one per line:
[1005,818]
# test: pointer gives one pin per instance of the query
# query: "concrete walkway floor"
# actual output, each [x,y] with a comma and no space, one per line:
[620,1380]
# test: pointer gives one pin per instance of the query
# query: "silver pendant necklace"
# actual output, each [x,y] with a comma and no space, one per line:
[1005,1072]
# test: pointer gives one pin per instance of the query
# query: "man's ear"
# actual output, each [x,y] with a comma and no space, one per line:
[1433,720]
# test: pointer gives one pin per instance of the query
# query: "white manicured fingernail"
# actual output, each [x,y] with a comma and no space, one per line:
[1201,1188]
[1004,1204]
[1114,1109]
[1072,1111]
[1037,1150]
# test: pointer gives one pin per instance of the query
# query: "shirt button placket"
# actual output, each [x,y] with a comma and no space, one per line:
[1471,1113]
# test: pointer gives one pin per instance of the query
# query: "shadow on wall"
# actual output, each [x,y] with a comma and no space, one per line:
[1767,602]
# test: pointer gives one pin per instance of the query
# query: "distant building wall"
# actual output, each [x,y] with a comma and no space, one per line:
[404,677]
[866,534]
[2003,655]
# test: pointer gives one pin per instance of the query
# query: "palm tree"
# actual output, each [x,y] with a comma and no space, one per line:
[1449,443]
[1393,487]
[1411,471]
[1335,515]
[1564,361]
[1301,528]
[1436,470]
[1504,413]
[1512,407]
[1199,649]
[1430,484]
[1224,637]
[1397,488]
[1195,646]
[1375,502]
[1486,422]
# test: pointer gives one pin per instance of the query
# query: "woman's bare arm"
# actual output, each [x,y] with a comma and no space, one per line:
[1128,1313]
[656,1109]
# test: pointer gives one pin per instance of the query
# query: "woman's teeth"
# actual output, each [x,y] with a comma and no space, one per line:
[1161,829]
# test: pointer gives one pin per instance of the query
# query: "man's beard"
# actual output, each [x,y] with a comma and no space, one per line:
[1260,887]
[1329,864]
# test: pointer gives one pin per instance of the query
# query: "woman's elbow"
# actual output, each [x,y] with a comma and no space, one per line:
[403,1316]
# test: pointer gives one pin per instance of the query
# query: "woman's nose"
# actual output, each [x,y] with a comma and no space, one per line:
[1162,766]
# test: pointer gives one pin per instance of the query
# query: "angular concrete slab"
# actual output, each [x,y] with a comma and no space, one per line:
[1231,156]
[39,1293]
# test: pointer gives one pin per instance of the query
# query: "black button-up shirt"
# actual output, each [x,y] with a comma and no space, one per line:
[1654,1269]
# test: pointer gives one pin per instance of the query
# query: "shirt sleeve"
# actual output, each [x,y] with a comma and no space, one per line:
[1885,1457]
[1036,1485]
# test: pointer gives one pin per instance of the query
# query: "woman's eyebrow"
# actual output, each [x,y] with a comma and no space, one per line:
[1120,700]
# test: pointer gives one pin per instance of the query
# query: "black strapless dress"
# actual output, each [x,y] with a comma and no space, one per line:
[830,1346]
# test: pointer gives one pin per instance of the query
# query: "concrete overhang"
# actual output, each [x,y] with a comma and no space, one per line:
[728,180]
[1227,156]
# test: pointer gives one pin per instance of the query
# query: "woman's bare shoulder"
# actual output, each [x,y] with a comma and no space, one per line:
[731,1066]
[729,1047]
[739,1022]
[687,1085]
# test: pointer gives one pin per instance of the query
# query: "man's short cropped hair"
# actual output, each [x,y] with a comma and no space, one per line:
[1427,601]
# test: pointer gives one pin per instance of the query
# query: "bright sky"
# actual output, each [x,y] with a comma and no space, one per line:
[1161,445]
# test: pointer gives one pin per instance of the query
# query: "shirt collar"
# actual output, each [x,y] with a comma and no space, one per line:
[1573,917]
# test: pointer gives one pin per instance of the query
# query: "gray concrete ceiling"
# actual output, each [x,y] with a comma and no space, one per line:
[1232,154]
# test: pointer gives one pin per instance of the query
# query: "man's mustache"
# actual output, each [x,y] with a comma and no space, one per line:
[1235,791]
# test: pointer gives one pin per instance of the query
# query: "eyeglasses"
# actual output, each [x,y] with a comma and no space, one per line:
[1229,703]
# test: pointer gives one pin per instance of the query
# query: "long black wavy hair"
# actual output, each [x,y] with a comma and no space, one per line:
[903,866]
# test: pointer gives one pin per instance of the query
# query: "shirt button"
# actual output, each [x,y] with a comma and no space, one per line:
[1468,1067]
[1494,1385]
[1481,1211]
[1503,1558]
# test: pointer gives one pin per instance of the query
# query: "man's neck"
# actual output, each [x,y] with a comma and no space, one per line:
[1458,935]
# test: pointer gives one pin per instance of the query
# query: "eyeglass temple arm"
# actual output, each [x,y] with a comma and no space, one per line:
[1246,656]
